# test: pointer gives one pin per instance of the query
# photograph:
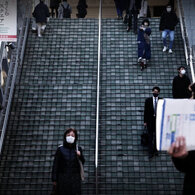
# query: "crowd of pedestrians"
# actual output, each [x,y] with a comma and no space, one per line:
[59,9]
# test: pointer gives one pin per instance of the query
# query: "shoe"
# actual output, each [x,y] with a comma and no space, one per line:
[170,51]
[139,59]
[142,65]
[39,35]
[128,29]
[164,48]
[144,61]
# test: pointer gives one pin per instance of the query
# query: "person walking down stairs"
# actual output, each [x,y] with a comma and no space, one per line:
[41,15]
[143,39]
[82,9]
[54,5]
[132,9]
[168,21]
[64,10]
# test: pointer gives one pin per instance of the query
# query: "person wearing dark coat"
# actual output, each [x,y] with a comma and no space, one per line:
[184,161]
[66,175]
[82,9]
[168,22]
[180,84]
[150,120]
[54,4]
[119,4]
[143,39]
[132,9]
[41,13]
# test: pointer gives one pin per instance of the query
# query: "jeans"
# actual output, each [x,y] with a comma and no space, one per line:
[171,34]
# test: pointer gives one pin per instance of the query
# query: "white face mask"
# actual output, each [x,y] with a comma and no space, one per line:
[183,71]
[169,9]
[145,24]
[70,139]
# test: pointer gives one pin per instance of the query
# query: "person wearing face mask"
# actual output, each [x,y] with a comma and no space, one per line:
[168,21]
[150,120]
[180,84]
[66,176]
[143,39]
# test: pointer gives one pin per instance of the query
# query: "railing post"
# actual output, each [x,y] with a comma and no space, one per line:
[98,97]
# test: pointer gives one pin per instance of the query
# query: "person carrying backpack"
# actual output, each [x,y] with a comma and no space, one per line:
[64,10]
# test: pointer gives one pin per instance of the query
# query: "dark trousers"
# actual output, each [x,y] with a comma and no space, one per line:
[144,50]
[133,15]
[54,9]
[152,137]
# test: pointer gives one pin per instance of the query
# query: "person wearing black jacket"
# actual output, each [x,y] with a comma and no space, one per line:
[184,161]
[66,176]
[180,84]
[132,9]
[168,21]
[82,9]
[54,4]
[41,13]
[150,120]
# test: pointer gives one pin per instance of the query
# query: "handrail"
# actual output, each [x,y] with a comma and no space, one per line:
[98,96]
[18,59]
[187,48]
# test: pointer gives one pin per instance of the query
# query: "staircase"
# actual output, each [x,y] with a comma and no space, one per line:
[57,90]
[124,165]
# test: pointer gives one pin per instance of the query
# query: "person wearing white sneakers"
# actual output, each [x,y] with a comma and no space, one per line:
[168,21]
[41,15]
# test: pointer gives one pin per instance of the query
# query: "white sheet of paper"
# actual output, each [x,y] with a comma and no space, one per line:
[175,117]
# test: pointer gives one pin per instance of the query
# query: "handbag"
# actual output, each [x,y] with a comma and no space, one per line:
[144,138]
[81,166]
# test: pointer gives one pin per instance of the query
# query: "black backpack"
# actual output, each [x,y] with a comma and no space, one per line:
[66,11]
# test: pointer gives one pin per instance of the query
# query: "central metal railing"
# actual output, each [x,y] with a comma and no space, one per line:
[98,96]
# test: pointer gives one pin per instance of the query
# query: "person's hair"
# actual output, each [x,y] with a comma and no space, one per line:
[157,88]
[73,130]
[169,5]
[147,21]
[181,67]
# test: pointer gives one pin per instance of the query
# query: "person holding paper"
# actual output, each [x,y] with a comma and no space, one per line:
[150,120]
[184,161]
